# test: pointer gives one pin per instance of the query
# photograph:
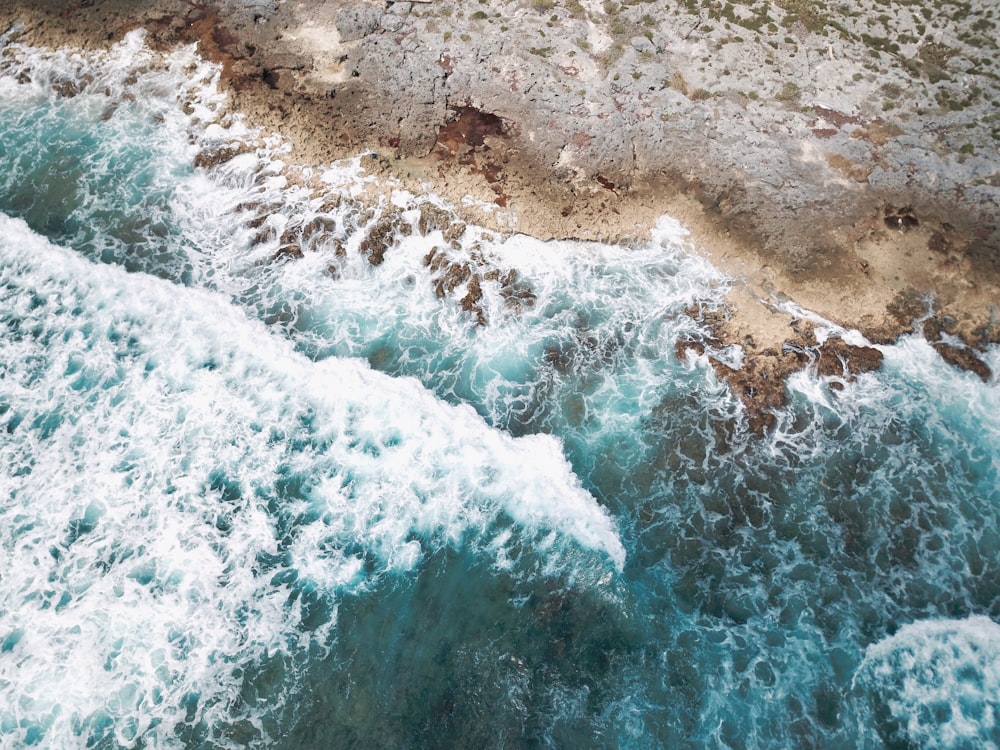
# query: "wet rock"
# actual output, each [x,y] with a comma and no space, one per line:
[452,275]
[434,259]
[881,331]
[448,274]
[381,236]
[474,293]
[310,234]
[288,251]
[935,325]
[213,156]
[257,221]
[683,346]
[329,204]
[433,217]
[964,358]
[760,384]
[835,357]
[68,88]
[515,292]
[454,232]
[560,356]
[470,302]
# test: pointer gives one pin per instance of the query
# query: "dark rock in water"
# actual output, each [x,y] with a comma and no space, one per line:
[516,293]
[838,358]
[560,357]
[453,232]
[288,252]
[474,293]
[381,236]
[432,217]
[68,88]
[316,230]
[454,274]
[264,234]
[964,358]
[760,384]
[448,274]
[470,302]
[683,346]
[214,156]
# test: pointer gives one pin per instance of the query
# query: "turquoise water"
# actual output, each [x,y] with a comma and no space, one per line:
[306,502]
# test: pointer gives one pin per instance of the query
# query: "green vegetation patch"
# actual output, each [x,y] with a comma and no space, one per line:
[790,92]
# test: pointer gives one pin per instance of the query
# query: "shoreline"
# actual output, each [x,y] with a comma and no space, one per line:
[909,251]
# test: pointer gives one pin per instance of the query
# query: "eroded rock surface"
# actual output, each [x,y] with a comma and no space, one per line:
[842,156]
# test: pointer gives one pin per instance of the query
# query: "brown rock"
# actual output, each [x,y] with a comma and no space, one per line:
[470,302]
[381,236]
[965,359]
[288,251]
[838,358]
[760,384]
[474,293]
[432,217]
[935,325]
[456,273]
[212,157]
[906,307]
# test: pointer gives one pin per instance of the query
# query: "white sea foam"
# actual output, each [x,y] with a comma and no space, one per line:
[189,498]
[940,680]
[169,459]
[597,305]
[964,400]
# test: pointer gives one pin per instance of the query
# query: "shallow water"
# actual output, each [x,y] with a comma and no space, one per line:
[251,500]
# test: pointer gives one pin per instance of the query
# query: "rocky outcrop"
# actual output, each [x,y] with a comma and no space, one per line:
[759,381]
[964,358]
[843,157]
[771,117]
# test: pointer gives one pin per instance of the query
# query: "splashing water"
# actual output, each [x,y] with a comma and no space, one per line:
[295,459]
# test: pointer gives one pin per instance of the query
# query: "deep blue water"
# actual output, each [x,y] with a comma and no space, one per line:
[253,499]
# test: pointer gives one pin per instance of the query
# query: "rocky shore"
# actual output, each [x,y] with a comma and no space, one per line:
[842,157]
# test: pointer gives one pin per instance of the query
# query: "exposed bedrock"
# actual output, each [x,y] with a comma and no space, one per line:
[843,158]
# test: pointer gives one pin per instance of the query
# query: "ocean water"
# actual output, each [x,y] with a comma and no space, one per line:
[259,492]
